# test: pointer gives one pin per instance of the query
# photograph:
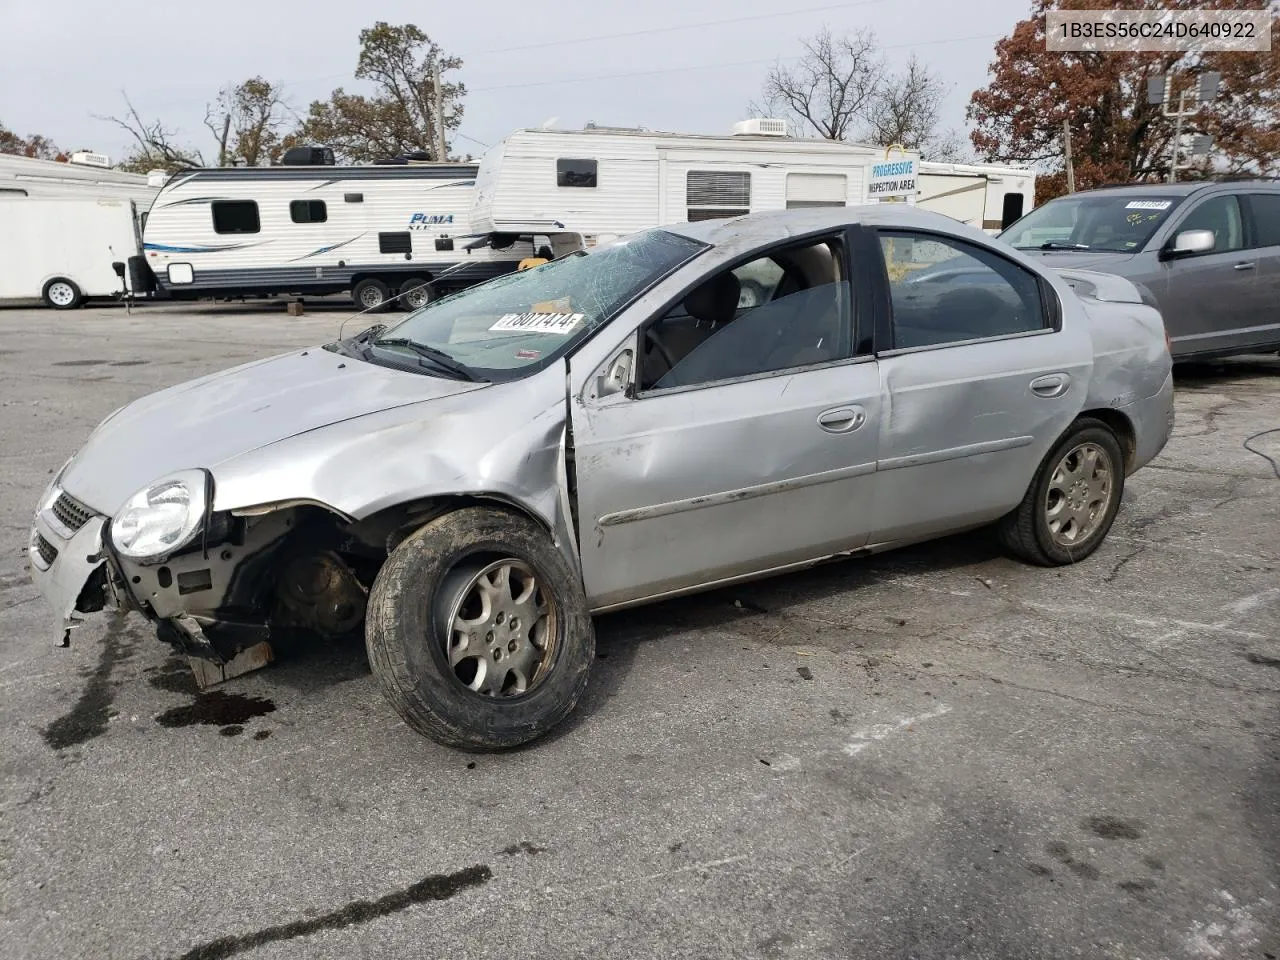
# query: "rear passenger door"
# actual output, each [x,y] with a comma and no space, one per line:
[978,379]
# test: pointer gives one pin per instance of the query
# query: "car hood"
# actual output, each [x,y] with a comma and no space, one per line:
[205,422]
[1081,260]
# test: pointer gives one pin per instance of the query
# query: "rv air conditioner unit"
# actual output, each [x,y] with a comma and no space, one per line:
[89,159]
[760,127]
[307,157]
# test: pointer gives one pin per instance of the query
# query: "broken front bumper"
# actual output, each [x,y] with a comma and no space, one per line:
[69,565]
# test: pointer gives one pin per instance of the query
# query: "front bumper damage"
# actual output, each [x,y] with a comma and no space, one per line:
[76,571]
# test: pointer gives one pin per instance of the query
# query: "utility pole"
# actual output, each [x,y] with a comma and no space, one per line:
[1160,91]
[439,113]
[1177,136]
[1066,149]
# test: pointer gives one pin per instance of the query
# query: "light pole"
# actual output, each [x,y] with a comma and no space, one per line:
[1160,90]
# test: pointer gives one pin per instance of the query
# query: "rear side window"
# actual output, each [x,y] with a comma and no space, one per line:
[235,216]
[947,291]
[575,173]
[395,242]
[308,211]
[1266,218]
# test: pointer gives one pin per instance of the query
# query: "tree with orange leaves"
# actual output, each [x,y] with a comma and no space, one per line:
[1116,136]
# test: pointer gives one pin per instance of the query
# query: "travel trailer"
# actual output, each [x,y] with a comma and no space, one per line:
[609,181]
[65,251]
[87,177]
[987,197]
[380,232]
[605,182]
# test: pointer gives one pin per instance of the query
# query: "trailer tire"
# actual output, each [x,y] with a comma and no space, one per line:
[371,294]
[62,294]
[415,294]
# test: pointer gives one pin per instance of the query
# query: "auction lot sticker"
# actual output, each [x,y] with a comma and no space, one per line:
[539,322]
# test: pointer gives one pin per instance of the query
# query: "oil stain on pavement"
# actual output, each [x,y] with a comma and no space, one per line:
[89,716]
[436,887]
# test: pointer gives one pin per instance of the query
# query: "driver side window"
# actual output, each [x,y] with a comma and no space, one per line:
[1222,216]
[788,309]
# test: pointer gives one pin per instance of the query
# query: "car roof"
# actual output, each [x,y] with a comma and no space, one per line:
[1182,189]
[779,224]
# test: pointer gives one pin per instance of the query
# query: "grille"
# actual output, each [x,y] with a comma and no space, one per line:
[71,512]
[48,552]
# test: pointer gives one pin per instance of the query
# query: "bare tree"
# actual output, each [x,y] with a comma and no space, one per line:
[155,147]
[246,120]
[830,90]
[906,111]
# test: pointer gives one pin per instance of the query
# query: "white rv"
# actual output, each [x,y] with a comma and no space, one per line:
[604,182]
[376,231]
[609,181]
[65,251]
[987,197]
[87,177]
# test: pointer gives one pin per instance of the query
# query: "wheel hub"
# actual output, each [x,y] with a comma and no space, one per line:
[1079,494]
[501,628]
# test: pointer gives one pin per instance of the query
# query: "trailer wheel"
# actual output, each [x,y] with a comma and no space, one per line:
[371,294]
[415,294]
[62,294]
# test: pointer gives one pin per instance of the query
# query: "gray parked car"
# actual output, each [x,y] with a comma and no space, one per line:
[1207,254]
[605,430]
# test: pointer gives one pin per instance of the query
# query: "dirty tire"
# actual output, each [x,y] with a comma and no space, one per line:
[1025,532]
[371,294]
[61,294]
[407,649]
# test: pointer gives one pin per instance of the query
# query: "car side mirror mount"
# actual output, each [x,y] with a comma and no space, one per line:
[616,377]
[1188,243]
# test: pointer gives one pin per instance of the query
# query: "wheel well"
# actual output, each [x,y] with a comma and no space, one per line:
[388,527]
[1122,427]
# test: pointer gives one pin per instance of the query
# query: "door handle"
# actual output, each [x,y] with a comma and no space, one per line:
[1247,265]
[842,419]
[1051,385]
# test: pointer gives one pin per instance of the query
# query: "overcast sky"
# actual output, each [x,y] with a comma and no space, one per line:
[63,64]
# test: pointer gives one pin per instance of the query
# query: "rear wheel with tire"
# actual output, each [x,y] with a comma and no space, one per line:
[62,294]
[371,294]
[478,631]
[414,293]
[1073,500]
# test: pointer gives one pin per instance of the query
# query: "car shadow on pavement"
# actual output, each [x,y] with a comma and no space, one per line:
[745,607]
[1203,374]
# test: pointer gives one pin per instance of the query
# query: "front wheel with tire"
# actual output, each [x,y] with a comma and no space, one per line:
[371,294]
[62,294]
[414,294]
[478,631]
[1073,500]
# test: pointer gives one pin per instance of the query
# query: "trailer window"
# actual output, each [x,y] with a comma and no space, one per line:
[308,211]
[714,194]
[575,173]
[395,242]
[817,190]
[235,216]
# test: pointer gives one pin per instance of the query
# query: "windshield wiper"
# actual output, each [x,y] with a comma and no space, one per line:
[437,357]
[1058,245]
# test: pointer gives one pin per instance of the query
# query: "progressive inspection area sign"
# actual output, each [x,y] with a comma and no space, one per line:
[894,179]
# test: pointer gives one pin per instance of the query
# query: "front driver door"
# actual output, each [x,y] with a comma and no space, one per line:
[755,451]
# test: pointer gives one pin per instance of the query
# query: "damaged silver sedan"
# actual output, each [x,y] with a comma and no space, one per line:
[682,409]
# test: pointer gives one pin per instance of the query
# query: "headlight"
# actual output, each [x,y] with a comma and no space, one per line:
[162,517]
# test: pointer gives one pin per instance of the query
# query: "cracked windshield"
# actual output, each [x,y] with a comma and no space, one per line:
[522,321]
[1107,224]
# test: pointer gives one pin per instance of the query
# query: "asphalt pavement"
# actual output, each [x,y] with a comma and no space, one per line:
[934,753]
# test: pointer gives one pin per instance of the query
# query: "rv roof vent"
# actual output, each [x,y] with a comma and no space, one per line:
[760,127]
[90,159]
[307,157]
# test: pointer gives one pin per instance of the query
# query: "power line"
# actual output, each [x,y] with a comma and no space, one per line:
[678,27]
[710,66]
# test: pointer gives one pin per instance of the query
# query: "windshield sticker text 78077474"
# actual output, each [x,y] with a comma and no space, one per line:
[539,322]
